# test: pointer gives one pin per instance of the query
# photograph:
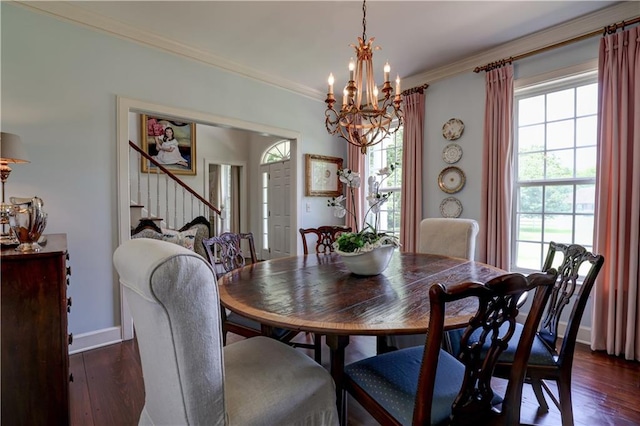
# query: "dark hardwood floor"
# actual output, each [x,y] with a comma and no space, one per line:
[108,388]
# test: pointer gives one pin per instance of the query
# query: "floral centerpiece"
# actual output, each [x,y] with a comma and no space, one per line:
[367,238]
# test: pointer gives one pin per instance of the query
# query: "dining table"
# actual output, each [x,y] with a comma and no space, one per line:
[316,293]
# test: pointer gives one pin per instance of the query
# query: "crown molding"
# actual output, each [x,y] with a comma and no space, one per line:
[566,31]
[68,12]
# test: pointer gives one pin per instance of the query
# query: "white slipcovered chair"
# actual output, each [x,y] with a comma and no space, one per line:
[446,237]
[189,377]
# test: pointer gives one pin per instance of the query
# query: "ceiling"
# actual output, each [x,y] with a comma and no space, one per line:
[300,42]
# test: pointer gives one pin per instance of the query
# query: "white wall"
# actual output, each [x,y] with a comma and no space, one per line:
[59,87]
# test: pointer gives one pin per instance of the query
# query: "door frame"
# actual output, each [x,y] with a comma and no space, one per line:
[124,106]
[244,187]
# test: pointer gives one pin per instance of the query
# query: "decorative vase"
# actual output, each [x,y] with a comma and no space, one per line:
[27,221]
[368,263]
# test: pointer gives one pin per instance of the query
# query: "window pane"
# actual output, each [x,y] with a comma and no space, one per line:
[528,255]
[558,199]
[558,228]
[531,110]
[529,227]
[587,131]
[586,162]
[531,166]
[530,199]
[560,134]
[587,102]
[584,230]
[560,105]
[531,138]
[585,198]
[560,164]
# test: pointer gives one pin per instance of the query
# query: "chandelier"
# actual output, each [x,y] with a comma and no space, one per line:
[367,123]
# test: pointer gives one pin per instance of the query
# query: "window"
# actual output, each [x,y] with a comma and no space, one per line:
[280,151]
[555,167]
[387,152]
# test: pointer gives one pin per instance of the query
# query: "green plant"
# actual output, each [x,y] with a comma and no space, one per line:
[367,238]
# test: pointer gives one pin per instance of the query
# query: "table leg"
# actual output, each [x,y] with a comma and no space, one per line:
[336,345]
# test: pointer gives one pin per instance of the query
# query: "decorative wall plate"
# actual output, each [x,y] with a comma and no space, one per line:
[451,207]
[452,129]
[451,179]
[452,153]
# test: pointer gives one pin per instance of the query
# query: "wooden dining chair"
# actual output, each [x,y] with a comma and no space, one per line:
[325,237]
[225,250]
[426,385]
[546,361]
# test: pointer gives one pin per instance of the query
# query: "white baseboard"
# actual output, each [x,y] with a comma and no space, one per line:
[95,339]
[584,333]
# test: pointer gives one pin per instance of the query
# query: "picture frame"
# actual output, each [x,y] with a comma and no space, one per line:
[178,155]
[322,176]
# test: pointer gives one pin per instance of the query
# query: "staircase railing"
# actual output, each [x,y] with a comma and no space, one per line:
[161,193]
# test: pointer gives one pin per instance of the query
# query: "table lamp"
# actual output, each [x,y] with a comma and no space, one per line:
[11,152]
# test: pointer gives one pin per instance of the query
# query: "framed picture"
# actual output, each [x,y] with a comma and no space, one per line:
[171,143]
[322,176]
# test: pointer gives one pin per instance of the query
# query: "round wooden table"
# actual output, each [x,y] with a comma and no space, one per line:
[316,293]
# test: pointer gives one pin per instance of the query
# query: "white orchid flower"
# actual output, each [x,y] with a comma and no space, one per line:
[351,178]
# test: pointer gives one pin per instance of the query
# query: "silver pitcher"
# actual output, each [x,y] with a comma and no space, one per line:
[27,220]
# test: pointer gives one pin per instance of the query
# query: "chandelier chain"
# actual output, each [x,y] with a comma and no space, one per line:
[364,20]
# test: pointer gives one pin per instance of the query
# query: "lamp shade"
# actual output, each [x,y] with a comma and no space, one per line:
[11,149]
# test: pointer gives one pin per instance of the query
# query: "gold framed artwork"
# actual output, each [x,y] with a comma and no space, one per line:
[171,143]
[322,176]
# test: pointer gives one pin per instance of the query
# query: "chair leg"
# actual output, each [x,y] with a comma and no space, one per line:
[536,384]
[317,348]
[566,405]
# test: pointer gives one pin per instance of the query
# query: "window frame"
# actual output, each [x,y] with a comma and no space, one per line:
[395,189]
[586,77]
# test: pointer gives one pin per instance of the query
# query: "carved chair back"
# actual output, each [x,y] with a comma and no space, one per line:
[225,249]
[483,340]
[574,256]
[326,236]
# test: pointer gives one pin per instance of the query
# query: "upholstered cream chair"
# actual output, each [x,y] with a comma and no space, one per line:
[189,377]
[449,237]
[446,237]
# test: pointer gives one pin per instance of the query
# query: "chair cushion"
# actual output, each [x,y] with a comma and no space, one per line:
[269,383]
[392,380]
[234,318]
[540,352]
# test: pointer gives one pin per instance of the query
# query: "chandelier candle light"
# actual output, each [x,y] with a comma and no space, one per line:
[364,124]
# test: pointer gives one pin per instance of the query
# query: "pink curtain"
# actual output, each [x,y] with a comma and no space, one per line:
[616,320]
[412,158]
[355,162]
[495,222]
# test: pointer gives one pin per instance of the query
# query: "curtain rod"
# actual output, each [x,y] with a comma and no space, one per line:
[610,29]
[414,90]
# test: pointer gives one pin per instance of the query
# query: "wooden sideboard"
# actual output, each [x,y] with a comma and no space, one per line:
[35,343]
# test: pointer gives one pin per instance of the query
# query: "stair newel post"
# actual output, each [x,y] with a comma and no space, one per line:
[184,200]
[157,192]
[192,202]
[166,198]
[175,204]
[149,189]
[138,162]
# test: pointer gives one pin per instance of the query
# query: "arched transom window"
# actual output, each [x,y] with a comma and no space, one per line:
[277,152]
